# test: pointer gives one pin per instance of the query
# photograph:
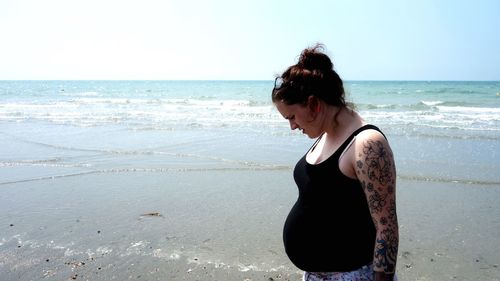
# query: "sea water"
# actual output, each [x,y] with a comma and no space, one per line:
[440,131]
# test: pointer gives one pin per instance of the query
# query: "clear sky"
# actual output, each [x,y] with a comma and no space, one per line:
[248,40]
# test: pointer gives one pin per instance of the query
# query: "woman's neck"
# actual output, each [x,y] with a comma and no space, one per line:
[338,120]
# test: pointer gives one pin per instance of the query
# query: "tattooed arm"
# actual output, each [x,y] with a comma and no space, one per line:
[375,169]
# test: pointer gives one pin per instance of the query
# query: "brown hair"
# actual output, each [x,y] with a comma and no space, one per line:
[313,75]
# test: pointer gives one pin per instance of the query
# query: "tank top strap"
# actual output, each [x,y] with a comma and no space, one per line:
[367,127]
[316,143]
[348,141]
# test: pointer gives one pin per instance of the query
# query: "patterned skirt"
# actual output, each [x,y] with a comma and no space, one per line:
[364,273]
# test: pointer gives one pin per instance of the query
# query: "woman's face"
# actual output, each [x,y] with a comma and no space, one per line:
[300,117]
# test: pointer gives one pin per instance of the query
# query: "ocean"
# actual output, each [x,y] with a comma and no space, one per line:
[83,163]
[440,131]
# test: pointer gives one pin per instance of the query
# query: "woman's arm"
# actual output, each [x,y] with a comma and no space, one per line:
[375,169]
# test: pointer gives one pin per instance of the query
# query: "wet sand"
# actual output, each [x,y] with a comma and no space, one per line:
[196,226]
[449,231]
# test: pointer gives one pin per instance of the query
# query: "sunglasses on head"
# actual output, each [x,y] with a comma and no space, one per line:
[280,83]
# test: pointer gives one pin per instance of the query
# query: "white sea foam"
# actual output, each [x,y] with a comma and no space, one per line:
[103,250]
[448,117]
[72,252]
[432,103]
[464,109]
[245,268]
[194,113]
[136,248]
[183,107]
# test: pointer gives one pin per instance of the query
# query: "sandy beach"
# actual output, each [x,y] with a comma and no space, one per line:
[195,226]
[152,226]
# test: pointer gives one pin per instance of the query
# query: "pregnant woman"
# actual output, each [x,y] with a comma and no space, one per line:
[344,224]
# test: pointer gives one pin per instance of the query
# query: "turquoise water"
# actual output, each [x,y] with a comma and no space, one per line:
[440,131]
[455,105]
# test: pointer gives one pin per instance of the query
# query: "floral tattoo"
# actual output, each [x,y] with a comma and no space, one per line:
[376,170]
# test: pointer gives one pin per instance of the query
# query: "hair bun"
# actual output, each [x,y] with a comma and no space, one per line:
[315,59]
[312,75]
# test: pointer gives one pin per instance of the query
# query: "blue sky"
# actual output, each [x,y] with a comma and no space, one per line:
[248,40]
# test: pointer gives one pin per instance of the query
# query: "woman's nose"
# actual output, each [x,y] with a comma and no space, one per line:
[293,125]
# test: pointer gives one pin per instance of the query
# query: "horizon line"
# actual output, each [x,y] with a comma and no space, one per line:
[240,80]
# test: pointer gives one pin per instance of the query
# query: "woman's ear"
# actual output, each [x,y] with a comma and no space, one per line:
[313,104]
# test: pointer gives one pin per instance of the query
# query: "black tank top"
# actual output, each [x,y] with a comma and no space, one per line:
[330,227]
